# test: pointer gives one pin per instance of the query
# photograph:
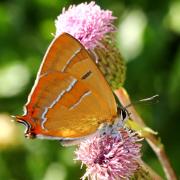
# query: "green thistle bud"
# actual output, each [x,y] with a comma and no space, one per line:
[140,174]
[110,62]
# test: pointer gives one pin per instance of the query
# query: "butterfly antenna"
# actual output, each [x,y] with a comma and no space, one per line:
[150,100]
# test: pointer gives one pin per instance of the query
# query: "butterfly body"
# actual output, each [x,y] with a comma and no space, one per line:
[70,98]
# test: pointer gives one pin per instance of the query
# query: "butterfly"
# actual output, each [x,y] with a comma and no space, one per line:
[70,98]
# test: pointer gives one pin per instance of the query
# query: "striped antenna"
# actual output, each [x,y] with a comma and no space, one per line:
[151,100]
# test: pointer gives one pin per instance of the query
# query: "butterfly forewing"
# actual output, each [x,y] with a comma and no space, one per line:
[61,51]
[70,98]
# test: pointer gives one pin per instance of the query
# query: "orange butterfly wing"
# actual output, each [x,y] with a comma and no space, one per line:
[70,98]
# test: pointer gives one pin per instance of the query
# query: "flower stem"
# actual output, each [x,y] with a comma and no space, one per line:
[152,139]
[151,172]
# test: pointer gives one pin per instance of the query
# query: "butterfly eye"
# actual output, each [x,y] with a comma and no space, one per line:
[123,113]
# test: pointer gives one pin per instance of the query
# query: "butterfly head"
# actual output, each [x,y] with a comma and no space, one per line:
[124,114]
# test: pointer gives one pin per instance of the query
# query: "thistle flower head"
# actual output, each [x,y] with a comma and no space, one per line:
[108,157]
[86,22]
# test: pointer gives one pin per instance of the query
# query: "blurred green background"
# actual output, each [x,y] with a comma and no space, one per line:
[149,39]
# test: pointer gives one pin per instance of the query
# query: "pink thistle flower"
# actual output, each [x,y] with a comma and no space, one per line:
[86,22]
[110,157]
